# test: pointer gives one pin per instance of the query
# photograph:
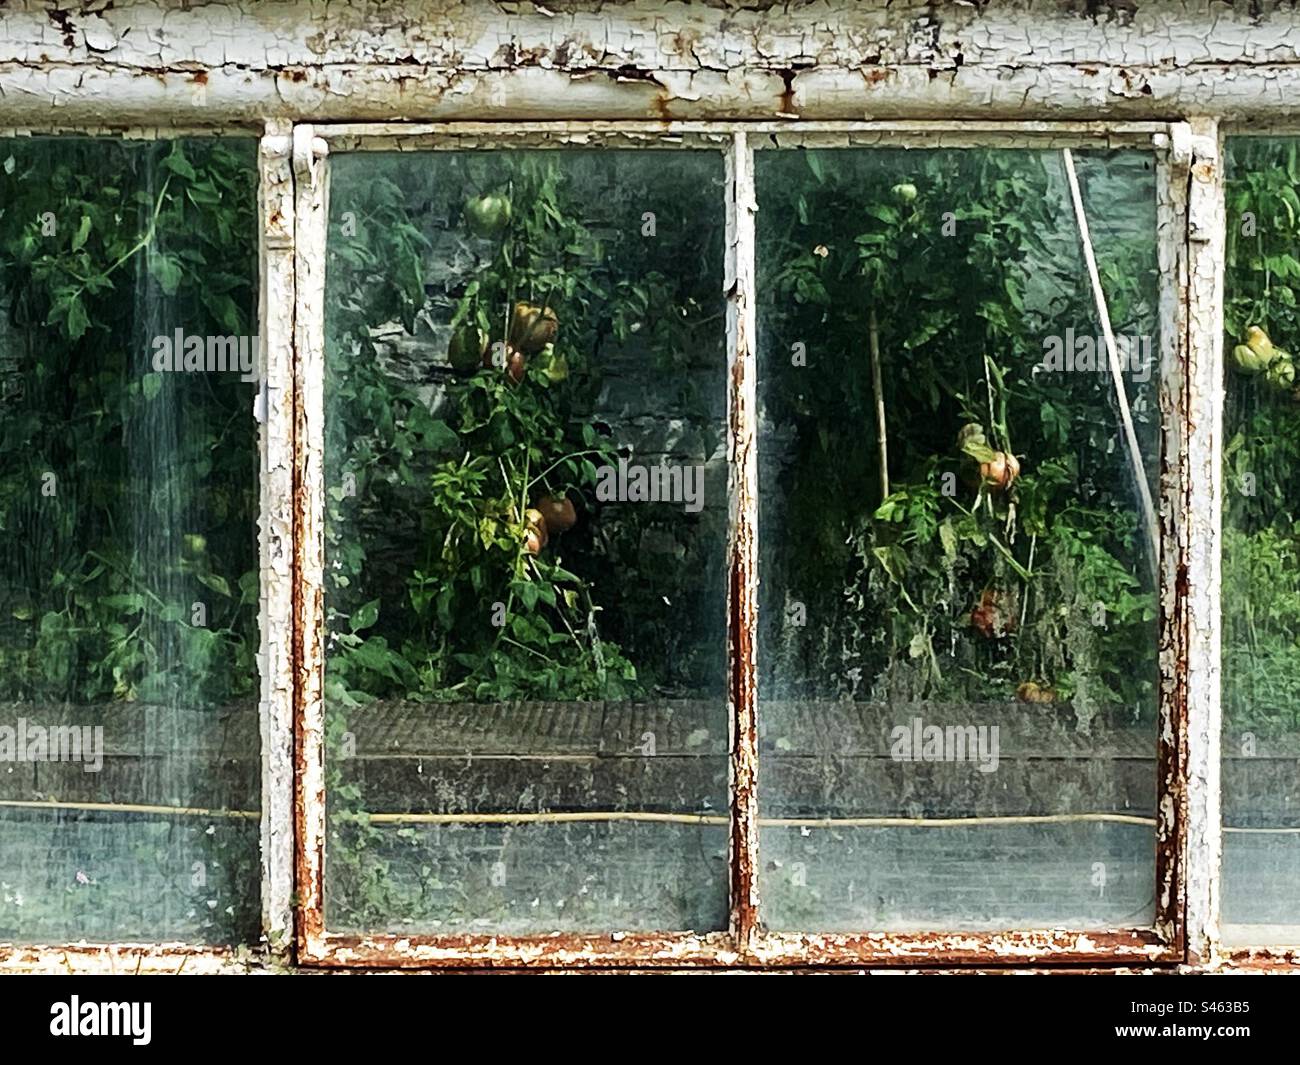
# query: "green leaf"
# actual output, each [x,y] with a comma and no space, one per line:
[83,231]
[365,615]
[178,164]
[78,321]
[216,583]
[128,604]
[168,272]
[815,165]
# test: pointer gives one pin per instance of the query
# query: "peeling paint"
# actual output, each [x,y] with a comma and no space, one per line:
[831,59]
[275,413]
[311,175]
[826,73]
[742,465]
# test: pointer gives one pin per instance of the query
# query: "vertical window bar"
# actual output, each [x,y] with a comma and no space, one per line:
[274,412]
[1203,419]
[743,592]
[312,199]
[1171,247]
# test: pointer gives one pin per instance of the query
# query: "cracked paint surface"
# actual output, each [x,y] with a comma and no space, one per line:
[833,59]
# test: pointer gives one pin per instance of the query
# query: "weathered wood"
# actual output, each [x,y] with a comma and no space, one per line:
[146,62]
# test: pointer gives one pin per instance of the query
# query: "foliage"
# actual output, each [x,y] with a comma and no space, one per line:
[968,262]
[129,496]
[1261,567]
[473,466]
[432,592]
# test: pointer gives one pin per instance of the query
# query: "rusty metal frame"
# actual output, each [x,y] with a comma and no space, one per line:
[745,943]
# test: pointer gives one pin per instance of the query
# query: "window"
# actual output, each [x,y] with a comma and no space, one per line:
[1261,861]
[959,687]
[518,713]
[129,572]
[649,543]
[525,541]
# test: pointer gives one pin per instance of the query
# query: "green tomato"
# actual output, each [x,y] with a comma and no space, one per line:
[1247,361]
[466,348]
[556,367]
[488,215]
[1281,372]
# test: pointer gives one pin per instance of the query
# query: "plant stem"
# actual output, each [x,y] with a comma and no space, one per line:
[143,242]
[877,387]
[1024,603]
[573,455]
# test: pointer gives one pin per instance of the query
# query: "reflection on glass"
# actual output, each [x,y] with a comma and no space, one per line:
[957,654]
[525,545]
[128,551]
[1261,549]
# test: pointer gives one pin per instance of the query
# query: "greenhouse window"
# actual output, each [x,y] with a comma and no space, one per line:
[539,719]
[1261,833]
[581,544]
[129,737]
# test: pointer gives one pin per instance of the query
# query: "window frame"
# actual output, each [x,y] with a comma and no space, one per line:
[745,943]
[1191,258]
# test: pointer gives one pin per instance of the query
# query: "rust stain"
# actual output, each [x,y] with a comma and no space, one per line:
[788,105]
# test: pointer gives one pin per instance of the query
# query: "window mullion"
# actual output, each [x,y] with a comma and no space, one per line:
[743,555]
[312,212]
[275,413]
[1203,421]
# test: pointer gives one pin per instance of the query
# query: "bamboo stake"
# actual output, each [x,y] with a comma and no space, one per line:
[882,439]
[1103,314]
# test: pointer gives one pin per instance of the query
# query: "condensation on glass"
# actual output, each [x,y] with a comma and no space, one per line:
[1261,549]
[526,520]
[957,652]
[129,749]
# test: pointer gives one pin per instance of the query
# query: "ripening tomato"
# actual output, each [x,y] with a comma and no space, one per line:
[532,327]
[558,514]
[515,366]
[535,535]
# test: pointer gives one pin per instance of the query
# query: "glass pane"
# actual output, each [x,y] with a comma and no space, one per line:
[526,485]
[958,646]
[129,765]
[1261,546]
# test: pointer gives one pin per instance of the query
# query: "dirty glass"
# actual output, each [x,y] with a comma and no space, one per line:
[129,779]
[1261,546]
[526,495]
[957,652]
